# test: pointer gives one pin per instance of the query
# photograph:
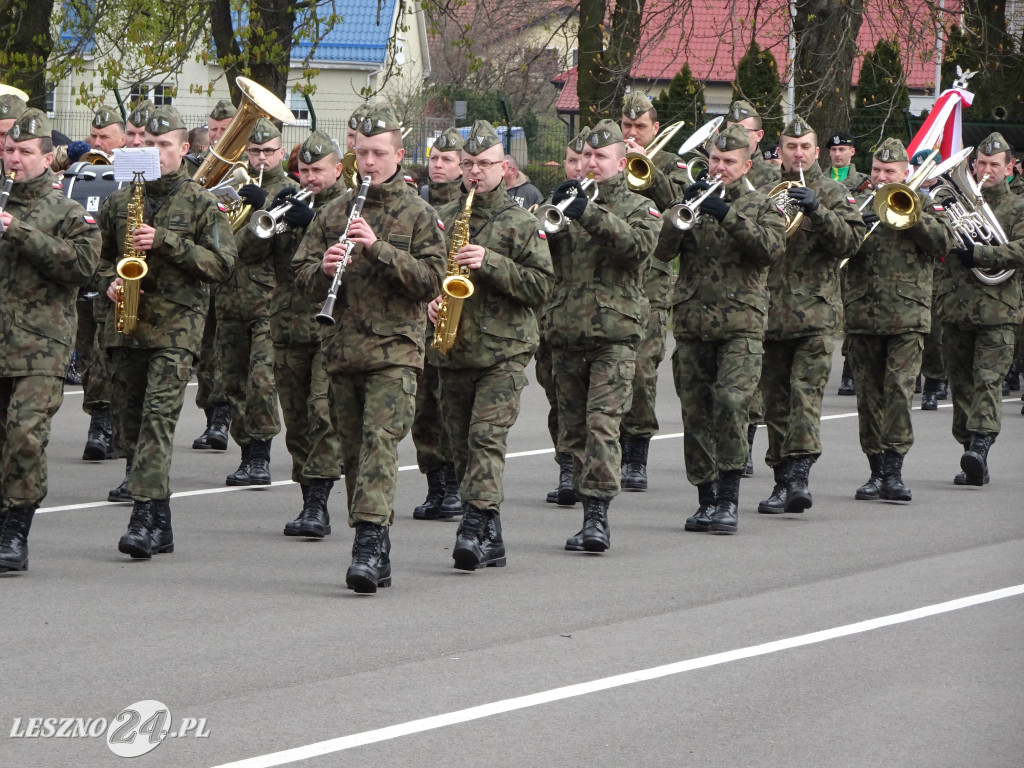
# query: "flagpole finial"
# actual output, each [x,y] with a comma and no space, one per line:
[962,76]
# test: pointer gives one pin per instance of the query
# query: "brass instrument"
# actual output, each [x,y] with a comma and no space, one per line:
[552,216]
[685,214]
[96,157]
[639,168]
[132,267]
[349,169]
[4,194]
[267,223]
[793,213]
[457,287]
[696,150]
[897,205]
[326,316]
[970,217]
[238,212]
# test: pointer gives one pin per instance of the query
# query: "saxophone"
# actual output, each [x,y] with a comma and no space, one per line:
[457,287]
[132,267]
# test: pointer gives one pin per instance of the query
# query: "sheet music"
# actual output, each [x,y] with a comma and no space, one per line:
[131,159]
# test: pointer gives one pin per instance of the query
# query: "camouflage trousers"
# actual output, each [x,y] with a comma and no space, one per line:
[93,357]
[715,381]
[245,354]
[933,363]
[479,406]
[208,366]
[433,449]
[793,378]
[309,435]
[371,413]
[149,390]
[546,379]
[885,368]
[28,406]
[595,389]
[640,420]
[976,363]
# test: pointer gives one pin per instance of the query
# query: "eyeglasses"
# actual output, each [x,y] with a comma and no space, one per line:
[268,152]
[483,165]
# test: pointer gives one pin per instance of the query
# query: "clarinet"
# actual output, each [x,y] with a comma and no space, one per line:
[326,316]
[4,194]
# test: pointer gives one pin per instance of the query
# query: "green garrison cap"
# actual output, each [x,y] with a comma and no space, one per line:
[797,128]
[139,114]
[482,136]
[33,124]
[379,118]
[357,117]
[263,131]
[164,120]
[733,137]
[11,106]
[223,110]
[636,104]
[741,110]
[892,151]
[316,147]
[993,144]
[449,141]
[106,116]
[579,141]
[605,133]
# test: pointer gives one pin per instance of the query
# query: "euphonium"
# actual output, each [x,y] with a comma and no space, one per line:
[639,167]
[132,267]
[457,287]
[267,223]
[793,213]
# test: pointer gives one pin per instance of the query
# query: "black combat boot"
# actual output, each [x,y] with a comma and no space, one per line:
[893,488]
[846,386]
[161,538]
[291,528]
[707,497]
[220,425]
[478,541]
[725,517]
[14,527]
[974,462]
[430,509]
[451,505]
[121,492]
[776,503]
[596,532]
[241,475]
[100,443]
[1013,378]
[200,443]
[869,491]
[552,497]
[634,478]
[371,561]
[943,390]
[748,471]
[798,493]
[314,522]
[259,462]
[565,496]
[928,395]
[138,539]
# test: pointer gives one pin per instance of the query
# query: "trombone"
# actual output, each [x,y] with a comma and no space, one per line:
[639,168]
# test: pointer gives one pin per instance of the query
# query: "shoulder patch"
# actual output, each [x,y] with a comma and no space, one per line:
[542,234]
[440,225]
[681,166]
[222,208]
[939,208]
[57,185]
[849,199]
[654,212]
[88,218]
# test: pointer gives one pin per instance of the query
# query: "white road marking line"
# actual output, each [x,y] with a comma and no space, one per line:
[582,689]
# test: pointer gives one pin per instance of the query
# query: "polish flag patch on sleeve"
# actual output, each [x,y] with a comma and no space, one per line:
[654,212]
[938,208]
[542,234]
[88,219]
[440,225]
[221,208]
[681,166]
[849,199]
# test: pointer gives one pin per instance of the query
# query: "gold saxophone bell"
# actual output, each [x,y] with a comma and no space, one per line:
[639,168]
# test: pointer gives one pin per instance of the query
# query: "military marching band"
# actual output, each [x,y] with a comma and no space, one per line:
[334,296]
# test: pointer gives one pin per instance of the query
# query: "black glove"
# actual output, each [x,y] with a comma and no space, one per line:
[566,190]
[299,215]
[714,206]
[965,254]
[695,189]
[805,198]
[279,198]
[870,217]
[575,209]
[252,195]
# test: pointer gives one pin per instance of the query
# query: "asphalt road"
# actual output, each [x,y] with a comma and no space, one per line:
[801,641]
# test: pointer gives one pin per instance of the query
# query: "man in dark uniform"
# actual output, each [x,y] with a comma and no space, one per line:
[187,239]
[49,247]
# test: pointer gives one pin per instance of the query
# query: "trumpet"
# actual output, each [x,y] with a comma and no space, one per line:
[267,223]
[326,316]
[685,215]
[779,194]
[552,216]
[639,168]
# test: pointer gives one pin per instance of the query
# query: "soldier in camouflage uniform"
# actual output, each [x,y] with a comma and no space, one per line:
[106,132]
[135,128]
[596,318]
[483,374]
[49,247]
[719,310]
[433,449]
[188,243]
[887,304]
[803,317]
[244,350]
[979,320]
[11,108]
[374,351]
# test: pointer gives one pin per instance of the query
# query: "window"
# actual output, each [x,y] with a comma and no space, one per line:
[160,95]
[297,104]
[51,99]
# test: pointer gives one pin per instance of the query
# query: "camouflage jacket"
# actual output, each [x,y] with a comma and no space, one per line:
[292,315]
[722,291]
[246,294]
[499,321]
[854,180]
[193,247]
[762,173]
[888,286]
[669,182]
[437,193]
[1017,184]
[381,309]
[964,300]
[600,261]
[804,283]
[50,249]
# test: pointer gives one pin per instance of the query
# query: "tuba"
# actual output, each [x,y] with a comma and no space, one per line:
[696,150]
[779,194]
[639,168]
[457,287]
[132,267]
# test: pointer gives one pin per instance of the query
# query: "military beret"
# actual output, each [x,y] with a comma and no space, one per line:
[164,120]
[482,136]
[579,141]
[740,110]
[263,131]
[379,118]
[356,118]
[840,139]
[993,144]
[33,124]
[449,141]
[223,110]
[796,128]
[605,133]
[11,106]
[316,147]
[139,114]
[892,151]
[771,154]
[105,116]
[733,137]
[636,104]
